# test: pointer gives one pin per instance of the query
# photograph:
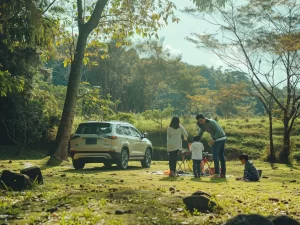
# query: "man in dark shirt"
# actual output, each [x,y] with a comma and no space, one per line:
[250,172]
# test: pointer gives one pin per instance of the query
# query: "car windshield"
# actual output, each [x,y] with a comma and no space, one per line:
[94,128]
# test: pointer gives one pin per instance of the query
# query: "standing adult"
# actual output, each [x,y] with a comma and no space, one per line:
[217,142]
[174,143]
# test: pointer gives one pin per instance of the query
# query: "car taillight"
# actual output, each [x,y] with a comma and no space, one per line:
[75,137]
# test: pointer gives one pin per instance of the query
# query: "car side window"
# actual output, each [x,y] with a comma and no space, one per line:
[119,129]
[126,131]
[134,132]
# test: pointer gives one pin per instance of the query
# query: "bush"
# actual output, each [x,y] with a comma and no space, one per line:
[127,117]
[296,156]
[232,153]
[160,154]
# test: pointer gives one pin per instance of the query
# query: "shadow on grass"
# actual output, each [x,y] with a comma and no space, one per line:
[27,154]
[209,181]
[99,169]
[171,179]
[292,166]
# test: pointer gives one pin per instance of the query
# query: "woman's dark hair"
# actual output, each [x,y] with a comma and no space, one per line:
[244,156]
[175,122]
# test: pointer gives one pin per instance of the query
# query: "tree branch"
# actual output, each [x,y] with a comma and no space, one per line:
[93,22]
[80,13]
[48,7]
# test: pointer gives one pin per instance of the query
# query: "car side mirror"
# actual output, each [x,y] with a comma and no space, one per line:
[145,135]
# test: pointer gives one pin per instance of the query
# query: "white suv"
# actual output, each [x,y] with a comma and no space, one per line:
[110,143]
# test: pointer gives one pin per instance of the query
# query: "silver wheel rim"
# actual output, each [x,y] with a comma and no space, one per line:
[148,158]
[124,159]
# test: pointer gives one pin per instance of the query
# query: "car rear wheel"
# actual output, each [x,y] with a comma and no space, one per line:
[107,164]
[146,162]
[78,164]
[123,161]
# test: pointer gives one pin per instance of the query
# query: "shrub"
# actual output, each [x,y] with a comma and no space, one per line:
[233,153]
[127,117]
[296,156]
[160,154]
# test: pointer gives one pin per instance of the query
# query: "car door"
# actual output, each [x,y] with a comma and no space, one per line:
[130,140]
[140,147]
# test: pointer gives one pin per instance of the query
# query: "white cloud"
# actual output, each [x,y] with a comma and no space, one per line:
[216,62]
[173,50]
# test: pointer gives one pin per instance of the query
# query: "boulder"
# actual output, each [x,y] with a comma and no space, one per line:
[199,193]
[34,173]
[249,219]
[201,203]
[15,181]
[282,220]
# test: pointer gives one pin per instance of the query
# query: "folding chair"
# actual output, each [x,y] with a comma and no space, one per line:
[180,163]
[188,159]
[206,165]
[183,161]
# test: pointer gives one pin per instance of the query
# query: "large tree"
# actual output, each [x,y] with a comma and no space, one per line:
[104,19]
[260,38]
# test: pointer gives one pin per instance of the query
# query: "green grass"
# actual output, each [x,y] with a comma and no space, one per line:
[92,195]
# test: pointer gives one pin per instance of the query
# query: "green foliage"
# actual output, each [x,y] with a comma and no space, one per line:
[92,106]
[121,116]
[209,5]
[8,83]
[158,115]
[22,24]
[296,156]
[160,154]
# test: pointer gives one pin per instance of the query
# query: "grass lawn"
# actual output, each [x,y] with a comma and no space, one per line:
[93,195]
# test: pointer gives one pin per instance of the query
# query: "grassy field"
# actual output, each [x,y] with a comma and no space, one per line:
[93,195]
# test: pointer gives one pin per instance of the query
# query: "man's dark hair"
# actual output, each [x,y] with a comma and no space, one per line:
[244,156]
[200,116]
[197,138]
[250,219]
[175,122]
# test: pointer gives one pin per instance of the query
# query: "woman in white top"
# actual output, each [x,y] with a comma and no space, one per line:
[174,143]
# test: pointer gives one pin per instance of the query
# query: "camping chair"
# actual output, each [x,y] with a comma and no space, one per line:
[206,165]
[183,161]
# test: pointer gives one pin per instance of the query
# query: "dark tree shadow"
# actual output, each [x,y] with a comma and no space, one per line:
[101,169]
[217,180]
[171,179]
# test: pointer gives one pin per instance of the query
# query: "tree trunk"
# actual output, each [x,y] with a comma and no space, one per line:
[59,151]
[161,138]
[286,148]
[271,156]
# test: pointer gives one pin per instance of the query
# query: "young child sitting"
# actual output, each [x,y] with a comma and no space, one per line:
[196,149]
[250,172]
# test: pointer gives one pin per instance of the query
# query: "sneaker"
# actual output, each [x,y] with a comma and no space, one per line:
[223,176]
[172,174]
[215,176]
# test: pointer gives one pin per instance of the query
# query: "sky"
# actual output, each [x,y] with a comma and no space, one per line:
[175,38]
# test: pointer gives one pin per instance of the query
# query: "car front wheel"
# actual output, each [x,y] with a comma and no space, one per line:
[123,161]
[78,164]
[146,162]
